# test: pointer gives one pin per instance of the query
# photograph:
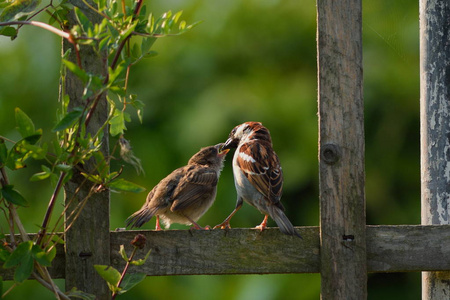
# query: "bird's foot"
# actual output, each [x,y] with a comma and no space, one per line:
[224,225]
[198,227]
[263,224]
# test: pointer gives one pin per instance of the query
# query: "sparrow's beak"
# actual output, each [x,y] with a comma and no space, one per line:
[230,143]
[222,151]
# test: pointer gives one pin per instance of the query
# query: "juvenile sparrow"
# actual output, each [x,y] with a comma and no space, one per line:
[186,193]
[257,175]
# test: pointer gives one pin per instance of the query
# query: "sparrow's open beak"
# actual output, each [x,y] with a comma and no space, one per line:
[222,151]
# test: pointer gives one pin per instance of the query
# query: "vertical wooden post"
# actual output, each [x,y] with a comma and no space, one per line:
[435,128]
[341,150]
[87,242]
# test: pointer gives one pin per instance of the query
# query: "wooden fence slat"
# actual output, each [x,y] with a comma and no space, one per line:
[435,128]
[405,248]
[341,150]
[87,240]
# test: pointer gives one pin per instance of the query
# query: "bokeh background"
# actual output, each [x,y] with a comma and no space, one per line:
[248,60]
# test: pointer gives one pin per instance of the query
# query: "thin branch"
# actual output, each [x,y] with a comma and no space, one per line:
[95,10]
[12,210]
[45,26]
[9,290]
[49,286]
[6,139]
[50,207]
[124,271]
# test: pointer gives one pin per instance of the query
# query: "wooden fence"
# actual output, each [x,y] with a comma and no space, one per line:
[343,249]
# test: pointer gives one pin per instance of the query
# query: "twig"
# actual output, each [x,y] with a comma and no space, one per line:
[44,283]
[50,207]
[13,212]
[45,26]
[124,271]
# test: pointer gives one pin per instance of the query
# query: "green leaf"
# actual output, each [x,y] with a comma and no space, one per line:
[117,123]
[51,254]
[18,9]
[69,119]
[74,293]
[93,178]
[24,124]
[123,253]
[130,281]
[39,176]
[21,252]
[129,30]
[139,106]
[84,22]
[4,255]
[12,196]
[42,175]
[63,168]
[110,275]
[122,185]
[140,262]
[102,166]
[80,73]
[40,256]
[8,31]
[23,271]
[33,139]
[22,150]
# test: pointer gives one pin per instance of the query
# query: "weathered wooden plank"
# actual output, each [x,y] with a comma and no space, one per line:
[404,248]
[435,128]
[341,150]
[408,248]
[237,251]
[87,240]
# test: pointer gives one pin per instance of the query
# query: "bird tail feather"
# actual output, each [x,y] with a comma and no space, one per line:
[140,217]
[282,221]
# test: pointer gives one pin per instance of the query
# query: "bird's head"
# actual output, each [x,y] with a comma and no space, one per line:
[210,156]
[245,132]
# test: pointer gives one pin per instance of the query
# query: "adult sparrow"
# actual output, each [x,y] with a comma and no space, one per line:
[257,175]
[186,193]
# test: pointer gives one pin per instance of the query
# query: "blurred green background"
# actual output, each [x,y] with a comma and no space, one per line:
[249,60]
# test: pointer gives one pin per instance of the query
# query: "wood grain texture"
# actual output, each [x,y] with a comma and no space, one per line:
[341,150]
[236,251]
[435,128]
[404,248]
[87,241]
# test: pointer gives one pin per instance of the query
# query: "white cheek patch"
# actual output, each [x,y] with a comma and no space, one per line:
[246,157]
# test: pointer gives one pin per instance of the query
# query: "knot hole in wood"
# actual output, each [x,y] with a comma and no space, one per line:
[330,153]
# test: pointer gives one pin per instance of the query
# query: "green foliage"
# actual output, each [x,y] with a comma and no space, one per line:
[23,258]
[77,294]
[72,144]
[18,9]
[249,60]
[13,196]
[111,276]
[121,283]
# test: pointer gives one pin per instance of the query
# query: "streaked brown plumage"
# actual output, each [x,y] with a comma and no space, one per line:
[257,175]
[186,193]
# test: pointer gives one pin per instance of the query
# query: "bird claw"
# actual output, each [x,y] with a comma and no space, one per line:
[197,227]
[223,226]
[260,227]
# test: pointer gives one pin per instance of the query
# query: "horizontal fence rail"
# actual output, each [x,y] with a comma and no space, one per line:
[402,248]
